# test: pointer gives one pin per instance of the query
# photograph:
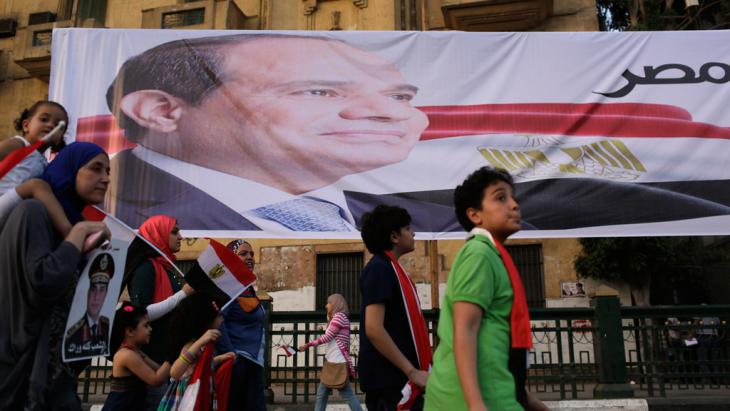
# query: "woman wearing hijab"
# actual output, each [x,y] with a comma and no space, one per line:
[40,269]
[242,332]
[156,285]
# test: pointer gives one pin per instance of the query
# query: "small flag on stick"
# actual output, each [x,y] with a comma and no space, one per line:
[220,273]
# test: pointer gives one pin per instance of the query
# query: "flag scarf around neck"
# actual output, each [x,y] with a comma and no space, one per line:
[156,230]
[220,273]
[520,331]
[417,325]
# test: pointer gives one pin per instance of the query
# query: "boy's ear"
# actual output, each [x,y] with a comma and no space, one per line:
[474,216]
[394,237]
[153,109]
[26,125]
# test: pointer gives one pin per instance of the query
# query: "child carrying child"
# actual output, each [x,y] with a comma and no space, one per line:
[132,370]
[484,326]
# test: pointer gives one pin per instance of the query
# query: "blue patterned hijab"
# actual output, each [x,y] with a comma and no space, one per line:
[61,176]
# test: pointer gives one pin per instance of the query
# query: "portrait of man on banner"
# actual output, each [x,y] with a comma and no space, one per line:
[295,135]
[92,311]
[286,128]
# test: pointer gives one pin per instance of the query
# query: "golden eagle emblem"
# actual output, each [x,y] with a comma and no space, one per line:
[216,271]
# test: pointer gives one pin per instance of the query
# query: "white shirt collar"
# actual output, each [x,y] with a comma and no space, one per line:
[238,193]
[480,231]
[90,321]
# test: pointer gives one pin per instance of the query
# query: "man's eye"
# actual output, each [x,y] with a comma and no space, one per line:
[319,93]
[402,97]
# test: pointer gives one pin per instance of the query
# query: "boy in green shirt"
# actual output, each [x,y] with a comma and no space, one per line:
[484,327]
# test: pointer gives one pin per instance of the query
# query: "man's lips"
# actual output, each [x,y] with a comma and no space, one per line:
[365,133]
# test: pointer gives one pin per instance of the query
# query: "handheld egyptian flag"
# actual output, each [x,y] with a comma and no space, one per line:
[222,383]
[220,273]
[16,156]
[288,350]
[198,395]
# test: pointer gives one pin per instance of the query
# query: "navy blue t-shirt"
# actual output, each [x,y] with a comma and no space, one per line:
[379,285]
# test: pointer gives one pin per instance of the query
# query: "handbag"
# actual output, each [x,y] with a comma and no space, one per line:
[334,374]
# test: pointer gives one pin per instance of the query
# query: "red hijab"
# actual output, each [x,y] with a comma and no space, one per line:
[157,230]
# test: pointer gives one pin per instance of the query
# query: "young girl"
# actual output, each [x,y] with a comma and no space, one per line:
[196,321]
[132,369]
[21,183]
[337,338]
[33,124]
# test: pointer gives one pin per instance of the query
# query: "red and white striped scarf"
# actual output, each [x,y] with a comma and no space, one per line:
[419,330]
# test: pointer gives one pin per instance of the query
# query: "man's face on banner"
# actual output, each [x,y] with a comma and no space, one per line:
[96,297]
[322,107]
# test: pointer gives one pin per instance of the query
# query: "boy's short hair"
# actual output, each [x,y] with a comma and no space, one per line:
[470,193]
[378,224]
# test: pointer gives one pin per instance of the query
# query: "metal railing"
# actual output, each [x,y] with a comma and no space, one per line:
[662,357]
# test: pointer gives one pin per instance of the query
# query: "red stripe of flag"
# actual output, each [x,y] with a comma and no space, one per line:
[16,156]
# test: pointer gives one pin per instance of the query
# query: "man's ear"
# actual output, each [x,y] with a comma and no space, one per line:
[153,109]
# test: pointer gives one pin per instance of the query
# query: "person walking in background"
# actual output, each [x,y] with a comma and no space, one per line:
[242,332]
[484,325]
[337,357]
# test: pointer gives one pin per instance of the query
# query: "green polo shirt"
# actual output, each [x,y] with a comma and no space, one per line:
[478,276]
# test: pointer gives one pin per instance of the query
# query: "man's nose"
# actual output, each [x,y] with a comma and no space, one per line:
[374,106]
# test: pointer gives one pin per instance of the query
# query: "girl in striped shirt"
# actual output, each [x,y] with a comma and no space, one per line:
[337,338]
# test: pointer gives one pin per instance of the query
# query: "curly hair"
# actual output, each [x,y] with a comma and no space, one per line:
[30,112]
[470,193]
[379,224]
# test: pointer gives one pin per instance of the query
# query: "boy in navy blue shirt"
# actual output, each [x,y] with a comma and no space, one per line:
[387,358]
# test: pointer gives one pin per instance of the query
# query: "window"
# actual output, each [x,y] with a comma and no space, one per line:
[41,38]
[92,9]
[183,18]
[339,273]
[528,259]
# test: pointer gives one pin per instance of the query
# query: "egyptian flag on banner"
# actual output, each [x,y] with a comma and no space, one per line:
[220,273]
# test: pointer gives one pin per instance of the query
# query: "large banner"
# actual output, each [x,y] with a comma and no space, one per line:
[298,134]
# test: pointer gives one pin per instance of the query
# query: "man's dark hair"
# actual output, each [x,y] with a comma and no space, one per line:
[378,224]
[188,69]
[470,193]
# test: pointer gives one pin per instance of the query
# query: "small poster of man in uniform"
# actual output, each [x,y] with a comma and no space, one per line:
[89,322]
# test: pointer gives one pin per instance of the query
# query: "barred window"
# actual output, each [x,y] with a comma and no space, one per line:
[339,273]
[529,262]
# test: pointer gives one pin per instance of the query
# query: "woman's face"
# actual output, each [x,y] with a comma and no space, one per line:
[92,179]
[175,239]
